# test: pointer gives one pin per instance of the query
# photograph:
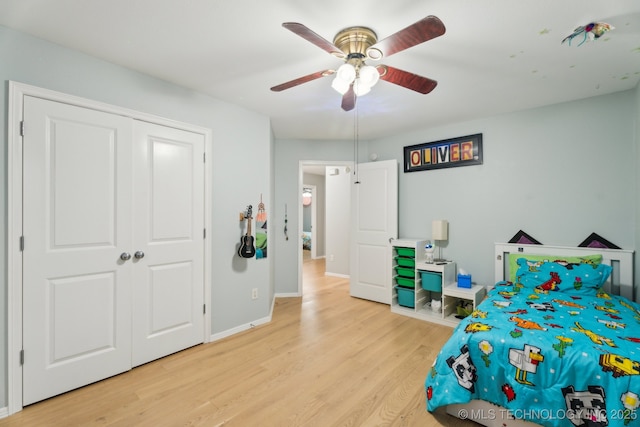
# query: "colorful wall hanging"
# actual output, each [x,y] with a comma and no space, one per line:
[448,153]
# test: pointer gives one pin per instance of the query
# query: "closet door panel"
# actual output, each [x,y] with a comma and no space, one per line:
[77,222]
[168,288]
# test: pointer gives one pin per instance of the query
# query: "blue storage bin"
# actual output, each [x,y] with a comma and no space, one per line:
[406,297]
[431,281]
[464,280]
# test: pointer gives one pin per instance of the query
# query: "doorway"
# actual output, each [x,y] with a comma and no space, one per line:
[360,221]
[330,228]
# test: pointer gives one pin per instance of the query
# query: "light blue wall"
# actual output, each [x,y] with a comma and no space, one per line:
[288,155]
[559,173]
[241,139]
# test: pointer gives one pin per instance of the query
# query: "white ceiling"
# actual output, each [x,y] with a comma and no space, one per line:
[496,56]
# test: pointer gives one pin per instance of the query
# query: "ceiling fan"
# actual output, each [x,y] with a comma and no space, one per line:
[355,45]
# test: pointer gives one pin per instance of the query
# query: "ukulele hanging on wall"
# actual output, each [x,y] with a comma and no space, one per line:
[247,248]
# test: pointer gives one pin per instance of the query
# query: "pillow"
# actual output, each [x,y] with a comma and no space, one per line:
[513,261]
[576,279]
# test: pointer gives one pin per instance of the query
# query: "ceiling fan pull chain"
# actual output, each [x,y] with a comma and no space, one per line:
[355,152]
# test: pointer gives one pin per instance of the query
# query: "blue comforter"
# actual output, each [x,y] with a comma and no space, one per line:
[557,359]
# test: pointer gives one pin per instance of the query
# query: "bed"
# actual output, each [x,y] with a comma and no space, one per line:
[306,240]
[556,343]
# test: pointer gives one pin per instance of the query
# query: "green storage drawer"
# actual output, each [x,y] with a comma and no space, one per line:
[406,252]
[405,262]
[405,272]
[405,282]
[431,281]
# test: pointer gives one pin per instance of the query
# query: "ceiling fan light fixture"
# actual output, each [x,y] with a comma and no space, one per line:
[346,72]
[360,88]
[345,75]
[340,85]
[369,75]
[356,45]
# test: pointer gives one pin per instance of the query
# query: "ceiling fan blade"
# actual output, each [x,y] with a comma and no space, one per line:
[301,80]
[314,38]
[426,29]
[349,99]
[406,79]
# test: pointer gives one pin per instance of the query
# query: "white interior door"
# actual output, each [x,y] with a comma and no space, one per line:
[374,219]
[77,222]
[168,286]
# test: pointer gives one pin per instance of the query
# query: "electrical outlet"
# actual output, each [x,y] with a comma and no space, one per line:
[331,257]
[254,293]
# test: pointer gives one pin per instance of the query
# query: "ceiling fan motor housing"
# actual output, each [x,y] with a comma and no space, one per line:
[355,43]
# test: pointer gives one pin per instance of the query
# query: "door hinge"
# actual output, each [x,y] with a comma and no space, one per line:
[204,308]
[21,243]
[22,357]
[204,233]
[22,128]
[204,157]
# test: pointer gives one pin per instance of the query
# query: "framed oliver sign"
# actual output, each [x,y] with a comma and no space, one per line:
[448,153]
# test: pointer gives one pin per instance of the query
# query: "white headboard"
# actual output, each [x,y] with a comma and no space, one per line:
[620,282]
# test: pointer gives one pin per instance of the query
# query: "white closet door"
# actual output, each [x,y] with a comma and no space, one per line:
[77,222]
[168,285]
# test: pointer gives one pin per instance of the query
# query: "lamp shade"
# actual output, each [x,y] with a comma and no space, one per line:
[440,229]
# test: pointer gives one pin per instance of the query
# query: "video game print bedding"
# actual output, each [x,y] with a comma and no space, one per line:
[550,347]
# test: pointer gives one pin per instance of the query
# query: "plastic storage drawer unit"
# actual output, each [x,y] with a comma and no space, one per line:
[431,281]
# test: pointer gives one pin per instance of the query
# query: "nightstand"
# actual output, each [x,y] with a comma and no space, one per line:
[451,294]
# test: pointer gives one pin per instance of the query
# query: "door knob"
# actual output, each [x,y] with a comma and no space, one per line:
[125,256]
[139,255]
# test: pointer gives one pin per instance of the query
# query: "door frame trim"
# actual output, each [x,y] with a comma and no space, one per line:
[17,92]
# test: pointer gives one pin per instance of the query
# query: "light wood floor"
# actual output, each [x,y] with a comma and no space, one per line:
[326,359]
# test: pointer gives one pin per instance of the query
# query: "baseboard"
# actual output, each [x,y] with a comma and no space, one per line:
[238,329]
[242,328]
[4,412]
[344,276]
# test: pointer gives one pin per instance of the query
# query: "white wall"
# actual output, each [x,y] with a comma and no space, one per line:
[236,132]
